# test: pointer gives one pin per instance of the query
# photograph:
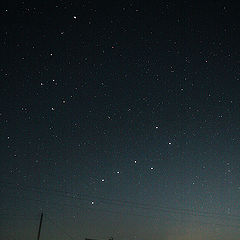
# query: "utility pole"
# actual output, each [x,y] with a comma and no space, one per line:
[40,226]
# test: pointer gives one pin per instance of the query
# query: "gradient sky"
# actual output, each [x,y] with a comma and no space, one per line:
[120,120]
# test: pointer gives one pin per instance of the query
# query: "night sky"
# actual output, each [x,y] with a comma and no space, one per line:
[120,119]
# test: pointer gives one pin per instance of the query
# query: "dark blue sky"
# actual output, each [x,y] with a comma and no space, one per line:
[120,119]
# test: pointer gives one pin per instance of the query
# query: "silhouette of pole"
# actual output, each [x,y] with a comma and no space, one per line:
[40,226]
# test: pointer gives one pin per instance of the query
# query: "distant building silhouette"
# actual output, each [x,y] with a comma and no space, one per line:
[111,238]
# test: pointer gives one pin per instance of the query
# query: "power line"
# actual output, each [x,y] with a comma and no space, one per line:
[130,213]
[84,197]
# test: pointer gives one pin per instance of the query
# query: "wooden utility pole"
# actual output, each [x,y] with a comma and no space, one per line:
[40,226]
